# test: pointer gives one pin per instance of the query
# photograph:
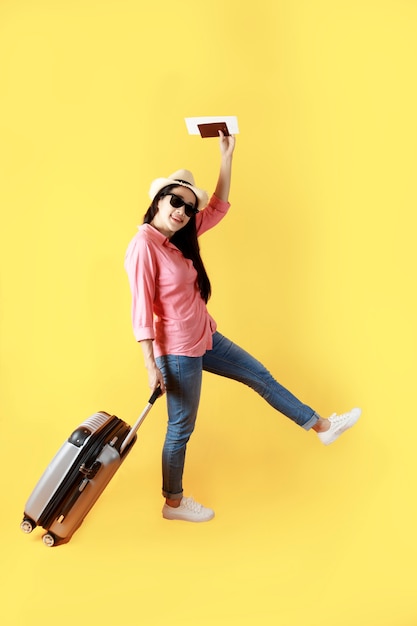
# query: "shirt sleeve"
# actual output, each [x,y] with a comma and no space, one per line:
[211,214]
[141,270]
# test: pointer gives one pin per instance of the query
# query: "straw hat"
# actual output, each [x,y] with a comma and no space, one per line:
[183,178]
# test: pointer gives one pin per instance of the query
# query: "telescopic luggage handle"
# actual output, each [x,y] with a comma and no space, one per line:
[132,432]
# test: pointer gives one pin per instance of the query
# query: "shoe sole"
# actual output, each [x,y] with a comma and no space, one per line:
[183,518]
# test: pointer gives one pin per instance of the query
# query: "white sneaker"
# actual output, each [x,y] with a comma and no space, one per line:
[338,425]
[188,511]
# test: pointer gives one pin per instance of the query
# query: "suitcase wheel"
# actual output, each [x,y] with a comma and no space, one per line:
[27,525]
[49,540]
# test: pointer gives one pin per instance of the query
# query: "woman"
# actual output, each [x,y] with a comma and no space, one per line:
[170,289]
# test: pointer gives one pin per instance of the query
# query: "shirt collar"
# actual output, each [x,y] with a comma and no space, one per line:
[155,235]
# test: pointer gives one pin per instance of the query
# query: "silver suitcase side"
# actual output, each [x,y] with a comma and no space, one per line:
[51,480]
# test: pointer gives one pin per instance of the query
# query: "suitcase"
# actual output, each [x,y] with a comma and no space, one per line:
[78,474]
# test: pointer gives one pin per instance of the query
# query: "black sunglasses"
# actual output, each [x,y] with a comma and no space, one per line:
[177,202]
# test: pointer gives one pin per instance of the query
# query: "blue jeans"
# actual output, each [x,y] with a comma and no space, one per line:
[183,376]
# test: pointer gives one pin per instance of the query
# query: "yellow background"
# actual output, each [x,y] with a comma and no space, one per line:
[313,271]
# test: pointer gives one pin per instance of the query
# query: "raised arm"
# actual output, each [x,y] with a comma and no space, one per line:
[227,146]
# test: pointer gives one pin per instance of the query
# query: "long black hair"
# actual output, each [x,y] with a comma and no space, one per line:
[185,240]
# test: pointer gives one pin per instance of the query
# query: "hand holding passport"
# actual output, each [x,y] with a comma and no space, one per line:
[210,126]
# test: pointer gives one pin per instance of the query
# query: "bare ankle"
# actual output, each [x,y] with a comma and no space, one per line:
[174,503]
[321,425]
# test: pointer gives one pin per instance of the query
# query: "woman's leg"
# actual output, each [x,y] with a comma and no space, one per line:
[182,376]
[227,359]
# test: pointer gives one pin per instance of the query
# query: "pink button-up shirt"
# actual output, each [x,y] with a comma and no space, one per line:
[166,303]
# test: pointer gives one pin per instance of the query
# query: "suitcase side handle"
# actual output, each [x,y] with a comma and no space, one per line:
[132,432]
